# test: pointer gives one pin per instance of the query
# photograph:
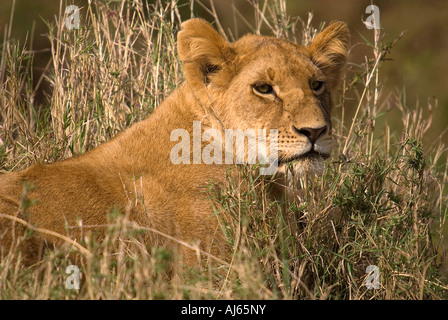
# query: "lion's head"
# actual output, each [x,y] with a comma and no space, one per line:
[261,82]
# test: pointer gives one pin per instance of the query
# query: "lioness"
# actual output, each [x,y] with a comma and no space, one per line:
[257,82]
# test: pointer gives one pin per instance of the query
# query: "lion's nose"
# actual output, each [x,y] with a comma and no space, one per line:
[311,133]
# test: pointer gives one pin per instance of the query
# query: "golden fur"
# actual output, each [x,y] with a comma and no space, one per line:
[134,173]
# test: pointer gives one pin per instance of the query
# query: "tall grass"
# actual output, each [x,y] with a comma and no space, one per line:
[381,201]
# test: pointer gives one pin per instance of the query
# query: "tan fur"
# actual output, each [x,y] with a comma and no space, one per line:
[133,172]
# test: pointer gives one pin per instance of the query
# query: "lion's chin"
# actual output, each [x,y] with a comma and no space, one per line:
[310,163]
[302,167]
[294,174]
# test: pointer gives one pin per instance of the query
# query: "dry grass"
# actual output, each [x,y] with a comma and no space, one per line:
[381,201]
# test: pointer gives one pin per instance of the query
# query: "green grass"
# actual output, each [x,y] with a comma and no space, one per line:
[382,199]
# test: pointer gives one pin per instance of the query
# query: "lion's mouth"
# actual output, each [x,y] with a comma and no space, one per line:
[310,155]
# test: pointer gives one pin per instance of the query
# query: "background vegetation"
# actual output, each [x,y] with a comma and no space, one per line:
[382,200]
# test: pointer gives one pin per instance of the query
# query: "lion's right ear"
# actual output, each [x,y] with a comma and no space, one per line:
[202,50]
[329,50]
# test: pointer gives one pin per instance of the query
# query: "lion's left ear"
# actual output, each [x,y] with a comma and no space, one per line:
[329,50]
[202,50]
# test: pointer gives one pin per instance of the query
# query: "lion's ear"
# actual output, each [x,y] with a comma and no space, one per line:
[201,49]
[329,50]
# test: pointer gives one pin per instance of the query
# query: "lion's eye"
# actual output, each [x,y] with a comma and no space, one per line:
[317,86]
[264,88]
